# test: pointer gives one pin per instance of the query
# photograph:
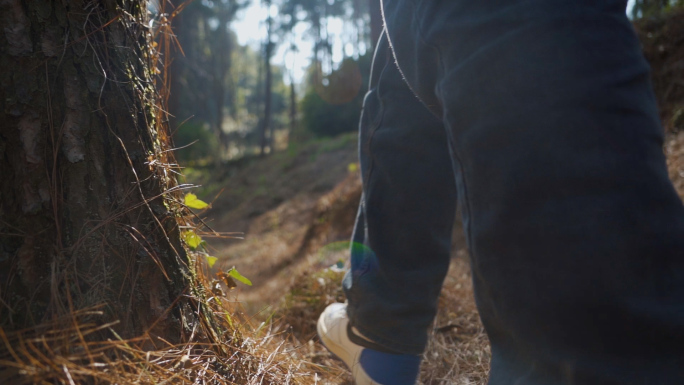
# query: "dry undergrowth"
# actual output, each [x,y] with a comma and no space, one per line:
[61,353]
[307,298]
[458,349]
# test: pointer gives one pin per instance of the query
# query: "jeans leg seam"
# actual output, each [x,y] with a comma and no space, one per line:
[375,124]
[452,142]
[372,128]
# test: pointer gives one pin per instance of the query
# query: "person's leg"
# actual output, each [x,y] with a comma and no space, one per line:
[575,232]
[402,238]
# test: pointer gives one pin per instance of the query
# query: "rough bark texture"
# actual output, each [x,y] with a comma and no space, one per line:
[83,218]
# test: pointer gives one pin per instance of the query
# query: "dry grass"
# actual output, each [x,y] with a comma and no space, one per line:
[458,349]
[60,353]
[300,309]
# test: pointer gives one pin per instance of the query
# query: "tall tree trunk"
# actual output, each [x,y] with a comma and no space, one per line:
[293,106]
[268,82]
[222,64]
[176,74]
[84,219]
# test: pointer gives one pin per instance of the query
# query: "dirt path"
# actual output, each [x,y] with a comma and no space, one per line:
[289,206]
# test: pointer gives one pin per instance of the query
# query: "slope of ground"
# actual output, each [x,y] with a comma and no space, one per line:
[287,205]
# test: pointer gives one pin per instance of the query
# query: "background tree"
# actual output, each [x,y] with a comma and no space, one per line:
[293,93]
[200,88]
[332,106]
[223,42]
[333,92]
[267,125]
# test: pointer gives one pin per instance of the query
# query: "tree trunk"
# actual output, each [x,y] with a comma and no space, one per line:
[84,217]
[293,106]
[175,76]
[222,65]
[268,97]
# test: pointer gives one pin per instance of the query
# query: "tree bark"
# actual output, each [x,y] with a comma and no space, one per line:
[293,105]
[175,75]
[84,218]
[268,85]
[222,65]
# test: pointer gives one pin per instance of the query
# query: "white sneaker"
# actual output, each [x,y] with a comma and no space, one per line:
[368,366]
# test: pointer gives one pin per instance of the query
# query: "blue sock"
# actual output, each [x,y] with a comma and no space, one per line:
[387,368]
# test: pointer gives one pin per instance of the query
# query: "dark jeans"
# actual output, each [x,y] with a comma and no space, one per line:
[542,113]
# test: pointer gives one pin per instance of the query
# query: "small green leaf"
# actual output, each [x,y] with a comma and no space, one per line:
[193,202]
[191,239]
[234,273]
[211,260]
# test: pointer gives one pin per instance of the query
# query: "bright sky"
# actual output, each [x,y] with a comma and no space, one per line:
[251,29]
